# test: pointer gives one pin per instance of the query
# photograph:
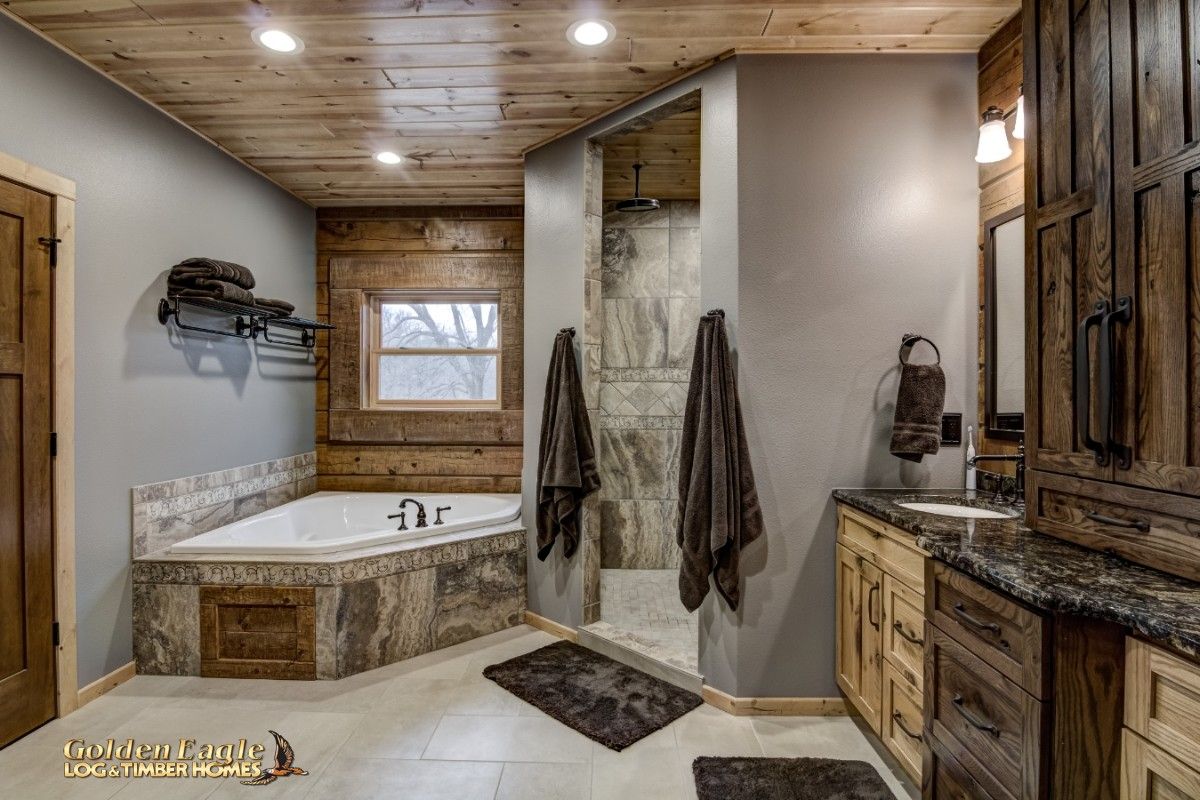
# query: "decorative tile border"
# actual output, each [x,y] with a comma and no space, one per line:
[641,423]
[170,511]
[329,573]
[645,375]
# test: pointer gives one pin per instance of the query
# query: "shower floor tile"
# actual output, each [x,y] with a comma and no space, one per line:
[644,604]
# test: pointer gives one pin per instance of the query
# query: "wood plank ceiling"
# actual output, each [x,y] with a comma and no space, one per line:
[459,87]
[669,151]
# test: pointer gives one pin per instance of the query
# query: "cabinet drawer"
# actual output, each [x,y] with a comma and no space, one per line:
[1162,699]
[904,630]
[945,779]
[994,726]
[1006,634]
[892,550]
[1148,773]
[1152,528]
[902,721]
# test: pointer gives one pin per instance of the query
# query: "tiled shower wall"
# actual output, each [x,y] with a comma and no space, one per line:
[650,283]
[170,511]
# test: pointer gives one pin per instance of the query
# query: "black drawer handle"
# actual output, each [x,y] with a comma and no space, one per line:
[975,722]
[900,724]
[1083,382]
[899,628]
[1140,525]
[871,607]
[980,624]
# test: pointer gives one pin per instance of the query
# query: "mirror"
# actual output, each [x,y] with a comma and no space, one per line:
[1004,325]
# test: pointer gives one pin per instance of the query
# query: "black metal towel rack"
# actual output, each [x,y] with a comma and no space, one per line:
[249,322]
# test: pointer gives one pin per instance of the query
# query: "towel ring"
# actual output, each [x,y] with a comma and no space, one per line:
[910,340]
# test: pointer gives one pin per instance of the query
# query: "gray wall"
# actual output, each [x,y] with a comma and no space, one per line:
[839,206]
[858,222]
[148,406]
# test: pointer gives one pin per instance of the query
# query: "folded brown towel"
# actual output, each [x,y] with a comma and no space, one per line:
[214,290]
[917,428]
[567,470]
[280,307]
[719,512]
[212,269]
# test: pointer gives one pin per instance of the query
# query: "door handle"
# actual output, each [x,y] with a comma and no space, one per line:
[973,720]
[1083,382]
[1108,380]
[899,720]
[871,607]
[899,628]
[1140,525]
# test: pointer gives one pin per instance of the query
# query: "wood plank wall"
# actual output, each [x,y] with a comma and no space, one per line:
[1001,185]
[418,451]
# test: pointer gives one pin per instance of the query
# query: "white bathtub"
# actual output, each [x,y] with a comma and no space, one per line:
[330,522]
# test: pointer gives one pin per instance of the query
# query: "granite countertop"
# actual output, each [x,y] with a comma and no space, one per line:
[1045,572]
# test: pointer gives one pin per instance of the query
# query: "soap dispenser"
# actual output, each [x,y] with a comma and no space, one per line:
[970,458]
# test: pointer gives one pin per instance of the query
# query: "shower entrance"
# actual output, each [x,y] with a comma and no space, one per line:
[645,291]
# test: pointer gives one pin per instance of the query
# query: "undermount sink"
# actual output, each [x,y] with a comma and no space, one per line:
[961,512]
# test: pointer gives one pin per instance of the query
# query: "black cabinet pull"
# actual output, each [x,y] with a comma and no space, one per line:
[1083,382]
[973,720]
[1140,525]
[899,628]
[1106,354]
[899,720]
[871,607]
[978,623]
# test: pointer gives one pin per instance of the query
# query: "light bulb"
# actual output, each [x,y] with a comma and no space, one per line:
[993,139]
[388,157]
[277,40]
[591,32]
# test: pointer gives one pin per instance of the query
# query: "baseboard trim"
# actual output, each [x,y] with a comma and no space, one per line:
[550,626]
[775,706]
[106,684]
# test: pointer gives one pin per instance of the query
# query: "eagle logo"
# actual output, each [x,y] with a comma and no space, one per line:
[285,756]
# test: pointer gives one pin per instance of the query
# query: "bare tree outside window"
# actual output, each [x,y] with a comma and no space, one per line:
[435,351]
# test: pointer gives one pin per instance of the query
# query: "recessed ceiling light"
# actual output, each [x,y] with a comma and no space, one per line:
[591,32]
[277,40]
[388,157]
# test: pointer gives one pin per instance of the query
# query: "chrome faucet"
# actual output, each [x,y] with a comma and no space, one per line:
[1019,458]
[421,523]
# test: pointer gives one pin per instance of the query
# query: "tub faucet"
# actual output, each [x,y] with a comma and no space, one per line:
[421,523]
[1019,458]
[440,509]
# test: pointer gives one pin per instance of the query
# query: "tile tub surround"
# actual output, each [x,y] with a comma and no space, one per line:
[650,280]
[168,512]
[1043,571]
[373,607]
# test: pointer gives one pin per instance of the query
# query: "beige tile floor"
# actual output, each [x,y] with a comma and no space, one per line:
[431,727]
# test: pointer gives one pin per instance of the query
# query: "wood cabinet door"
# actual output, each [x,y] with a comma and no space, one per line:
[27,691]
[1068,228]
[849,624]
[870,588]
[1156,111]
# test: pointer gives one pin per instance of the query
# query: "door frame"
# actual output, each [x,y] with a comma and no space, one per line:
[62,196]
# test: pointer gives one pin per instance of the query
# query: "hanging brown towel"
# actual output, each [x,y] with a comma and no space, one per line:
[567,470]
[920,400]
[719,512]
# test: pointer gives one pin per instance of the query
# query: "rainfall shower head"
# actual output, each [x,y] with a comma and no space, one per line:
[637,203]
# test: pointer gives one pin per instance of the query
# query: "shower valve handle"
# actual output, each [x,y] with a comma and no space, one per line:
[402,527]
[438,521]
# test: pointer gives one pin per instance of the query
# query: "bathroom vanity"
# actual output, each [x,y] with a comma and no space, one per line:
[1047,670]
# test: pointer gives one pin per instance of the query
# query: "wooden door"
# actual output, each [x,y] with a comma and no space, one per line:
[1156,111]
[1069,243]
[27,691]
[849,624]
[871,635]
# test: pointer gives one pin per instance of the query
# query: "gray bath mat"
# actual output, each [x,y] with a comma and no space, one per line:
[787,779]
[603,699]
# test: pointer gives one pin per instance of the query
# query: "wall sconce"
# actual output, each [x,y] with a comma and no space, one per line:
[993,139]
[1019,120]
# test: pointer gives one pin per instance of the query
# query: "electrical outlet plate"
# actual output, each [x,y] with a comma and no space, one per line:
[952,429]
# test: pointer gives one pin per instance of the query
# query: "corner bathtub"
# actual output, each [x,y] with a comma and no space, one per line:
[331,522]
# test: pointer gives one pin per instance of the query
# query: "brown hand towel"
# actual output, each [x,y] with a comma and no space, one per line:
[567,470]
[213,269]
[719,512]
[917,429]
[214,290]
[281,307]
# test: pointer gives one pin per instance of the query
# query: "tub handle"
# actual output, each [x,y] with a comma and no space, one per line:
[402,527]
[438,521]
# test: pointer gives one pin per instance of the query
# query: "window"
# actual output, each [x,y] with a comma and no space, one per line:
[433,350]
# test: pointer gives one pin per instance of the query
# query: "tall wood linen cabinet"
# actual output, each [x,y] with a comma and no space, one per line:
[1112,192]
